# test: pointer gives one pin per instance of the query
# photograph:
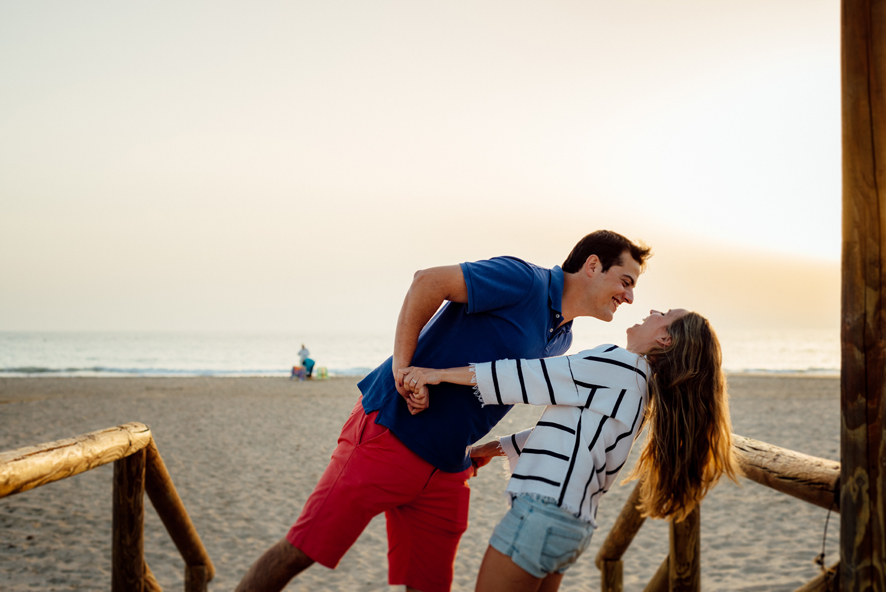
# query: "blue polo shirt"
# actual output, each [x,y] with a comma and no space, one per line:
[513,311]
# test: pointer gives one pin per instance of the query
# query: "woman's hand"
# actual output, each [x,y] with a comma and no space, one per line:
[413,377]
[482,454]
[415,381]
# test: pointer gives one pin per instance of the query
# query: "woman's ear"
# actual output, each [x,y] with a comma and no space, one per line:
[664,340]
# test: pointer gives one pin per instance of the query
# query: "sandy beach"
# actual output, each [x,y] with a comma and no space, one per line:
[245,453]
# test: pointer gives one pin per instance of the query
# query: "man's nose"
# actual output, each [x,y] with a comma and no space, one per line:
[629,295]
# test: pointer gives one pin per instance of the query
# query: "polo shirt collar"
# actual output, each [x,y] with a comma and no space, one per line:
[555,291]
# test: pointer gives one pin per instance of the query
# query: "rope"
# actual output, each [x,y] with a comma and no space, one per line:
[819,559]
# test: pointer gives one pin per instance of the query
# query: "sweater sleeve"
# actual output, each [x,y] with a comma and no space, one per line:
[594,379]
[513,446]
[546,381]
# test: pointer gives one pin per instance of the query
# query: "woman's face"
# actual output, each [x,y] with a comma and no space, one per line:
[653,331]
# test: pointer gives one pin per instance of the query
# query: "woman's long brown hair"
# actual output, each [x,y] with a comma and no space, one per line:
[689,443]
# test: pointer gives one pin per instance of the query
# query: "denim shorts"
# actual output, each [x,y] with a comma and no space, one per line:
[541,537]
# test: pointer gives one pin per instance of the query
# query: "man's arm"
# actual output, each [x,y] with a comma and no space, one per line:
[429,289]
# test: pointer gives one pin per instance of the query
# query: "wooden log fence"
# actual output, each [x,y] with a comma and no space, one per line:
[138,469]
[811,479]
[808,478]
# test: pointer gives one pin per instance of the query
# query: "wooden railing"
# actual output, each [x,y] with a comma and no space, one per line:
[811,479]
[138,468]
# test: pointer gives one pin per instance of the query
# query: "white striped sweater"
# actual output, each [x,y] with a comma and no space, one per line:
[595,403]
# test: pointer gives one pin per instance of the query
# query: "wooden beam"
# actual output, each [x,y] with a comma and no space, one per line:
[161,490]
[684,566]
[196,578]
[128,525]
[659,581]
[809,478]
[151,583]
[612,576]
[824,582]
[27,468]
[863,318]
[623,531]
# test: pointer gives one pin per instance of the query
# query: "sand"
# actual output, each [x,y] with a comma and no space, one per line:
[245,453]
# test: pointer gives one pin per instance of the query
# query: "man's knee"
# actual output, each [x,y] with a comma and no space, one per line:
[294,558]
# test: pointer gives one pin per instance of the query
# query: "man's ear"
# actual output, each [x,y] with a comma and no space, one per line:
[593,265]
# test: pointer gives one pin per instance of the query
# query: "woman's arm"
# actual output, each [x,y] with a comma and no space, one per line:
[578,380]
[418,377]
[416,380]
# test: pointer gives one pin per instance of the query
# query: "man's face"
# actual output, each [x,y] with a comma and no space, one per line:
[608,289]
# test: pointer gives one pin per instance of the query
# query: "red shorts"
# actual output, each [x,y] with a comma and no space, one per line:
[372,472]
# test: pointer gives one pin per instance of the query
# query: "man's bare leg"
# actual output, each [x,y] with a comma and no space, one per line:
[275,568]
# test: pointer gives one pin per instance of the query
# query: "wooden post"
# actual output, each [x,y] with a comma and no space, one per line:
[863,319]
[684,567]
[128,551]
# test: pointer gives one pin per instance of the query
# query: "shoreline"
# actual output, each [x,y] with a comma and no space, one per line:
[61,374]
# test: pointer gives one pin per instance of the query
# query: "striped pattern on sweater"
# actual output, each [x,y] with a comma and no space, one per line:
[595,403]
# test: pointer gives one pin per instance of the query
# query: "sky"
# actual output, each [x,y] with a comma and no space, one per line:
[287,166]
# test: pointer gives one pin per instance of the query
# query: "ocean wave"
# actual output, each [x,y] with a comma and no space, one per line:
[100,371]
[786,371]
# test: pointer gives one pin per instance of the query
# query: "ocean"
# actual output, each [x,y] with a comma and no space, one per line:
[354,354]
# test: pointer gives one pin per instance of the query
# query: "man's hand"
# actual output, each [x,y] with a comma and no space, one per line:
[481,455]
[418,401]
[398,381]
[415,381]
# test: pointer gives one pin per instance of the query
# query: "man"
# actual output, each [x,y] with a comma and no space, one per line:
[415,467]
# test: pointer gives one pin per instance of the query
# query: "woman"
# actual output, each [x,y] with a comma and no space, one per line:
[668,377]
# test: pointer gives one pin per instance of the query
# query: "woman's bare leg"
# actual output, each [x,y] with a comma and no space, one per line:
[551,583]
[499,574]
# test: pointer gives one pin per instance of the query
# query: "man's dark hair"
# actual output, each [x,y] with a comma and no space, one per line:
[608,246]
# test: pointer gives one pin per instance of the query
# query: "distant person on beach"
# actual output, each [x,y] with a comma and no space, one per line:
[415,468]
[306,365]
[669,377]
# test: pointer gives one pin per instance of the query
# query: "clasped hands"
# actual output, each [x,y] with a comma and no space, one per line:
[414,381]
